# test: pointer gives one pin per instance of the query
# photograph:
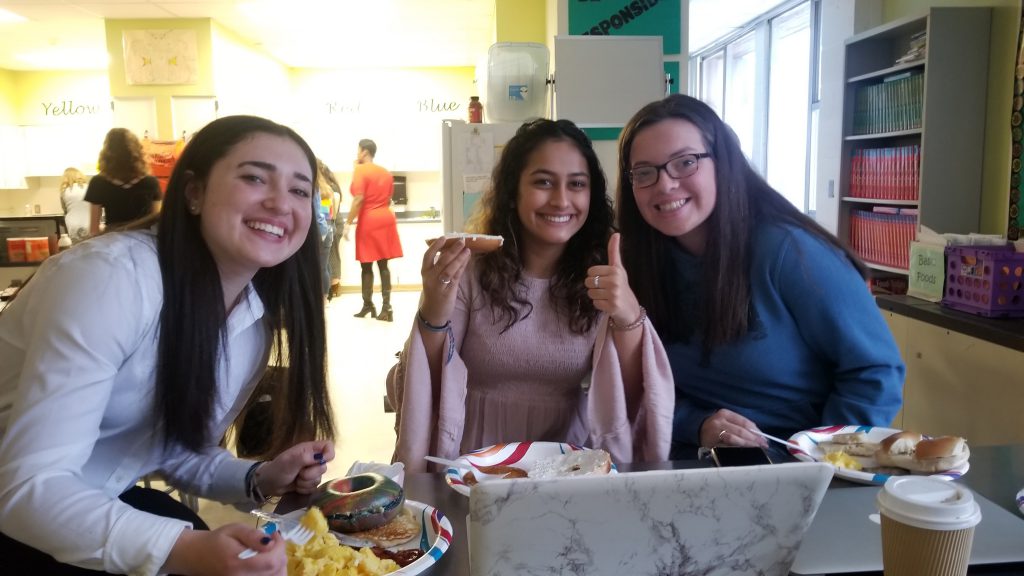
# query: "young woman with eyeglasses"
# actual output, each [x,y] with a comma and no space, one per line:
[541,339]
[765,315]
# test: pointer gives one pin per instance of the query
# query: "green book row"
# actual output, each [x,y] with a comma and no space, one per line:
[889,106]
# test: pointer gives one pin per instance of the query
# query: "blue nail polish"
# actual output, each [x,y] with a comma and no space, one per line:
[319,457]
[269,528]
[265,540]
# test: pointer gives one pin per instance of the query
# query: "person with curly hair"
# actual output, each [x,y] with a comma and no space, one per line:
[123,191]
[542,339]
[72,199]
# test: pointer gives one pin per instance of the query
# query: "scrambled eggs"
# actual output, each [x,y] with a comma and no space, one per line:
[323,555]
[842,460]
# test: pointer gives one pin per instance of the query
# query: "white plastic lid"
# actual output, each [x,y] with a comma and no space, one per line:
[929,503]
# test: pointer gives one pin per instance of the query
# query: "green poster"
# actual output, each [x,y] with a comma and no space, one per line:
[628,18]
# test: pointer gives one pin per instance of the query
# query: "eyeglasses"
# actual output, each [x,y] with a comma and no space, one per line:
[679,167]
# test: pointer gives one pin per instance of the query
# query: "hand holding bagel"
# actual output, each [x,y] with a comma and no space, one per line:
[443,265]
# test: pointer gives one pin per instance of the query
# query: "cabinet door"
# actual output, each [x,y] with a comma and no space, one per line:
[898,327]
[962,386]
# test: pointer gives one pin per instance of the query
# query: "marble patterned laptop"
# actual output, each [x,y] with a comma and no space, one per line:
[743,520]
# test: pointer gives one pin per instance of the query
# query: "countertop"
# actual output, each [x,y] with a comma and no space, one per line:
[409,216]
[1007,332]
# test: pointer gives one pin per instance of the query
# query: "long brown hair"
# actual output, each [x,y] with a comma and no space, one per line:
[121,157]
[744,200]
[193,317]
[501,271]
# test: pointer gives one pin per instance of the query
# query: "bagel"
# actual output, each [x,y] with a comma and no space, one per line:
[942,453]
[359,502]
[477,243]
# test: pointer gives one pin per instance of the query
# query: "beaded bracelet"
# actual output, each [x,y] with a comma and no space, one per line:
[252,489]
[446,327]
[632,325]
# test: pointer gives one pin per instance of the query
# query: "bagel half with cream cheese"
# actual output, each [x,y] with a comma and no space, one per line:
[477,243]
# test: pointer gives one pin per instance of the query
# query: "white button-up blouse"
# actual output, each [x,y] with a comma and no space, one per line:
[78,357]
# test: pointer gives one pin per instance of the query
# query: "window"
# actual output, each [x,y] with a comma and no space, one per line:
[763,80]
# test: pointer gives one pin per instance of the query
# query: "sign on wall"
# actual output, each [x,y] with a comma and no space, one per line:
[628,18]
[161,57]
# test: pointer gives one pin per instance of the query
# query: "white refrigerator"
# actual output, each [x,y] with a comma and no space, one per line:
[469,152]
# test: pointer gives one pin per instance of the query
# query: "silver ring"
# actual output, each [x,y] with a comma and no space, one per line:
[445,280]
[721,436]
[597,281]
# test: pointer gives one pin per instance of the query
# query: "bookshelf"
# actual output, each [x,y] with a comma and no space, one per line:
[913,132]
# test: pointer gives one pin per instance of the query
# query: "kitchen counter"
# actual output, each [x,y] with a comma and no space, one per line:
[1007,332]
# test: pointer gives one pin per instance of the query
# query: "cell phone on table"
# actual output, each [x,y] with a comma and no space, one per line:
[725,456]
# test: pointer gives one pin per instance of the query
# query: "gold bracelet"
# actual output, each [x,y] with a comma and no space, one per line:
[632,325]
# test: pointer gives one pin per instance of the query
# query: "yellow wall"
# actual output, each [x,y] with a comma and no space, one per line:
[401,109]
[995,201]
[119,87]
[520,20]
[247,80]
[8,97]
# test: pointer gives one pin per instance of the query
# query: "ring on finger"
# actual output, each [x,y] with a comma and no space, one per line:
[597,281]
[721,435]
[446,280]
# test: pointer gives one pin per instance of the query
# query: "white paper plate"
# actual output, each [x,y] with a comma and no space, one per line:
[811,452]
[435,536]
[519,454]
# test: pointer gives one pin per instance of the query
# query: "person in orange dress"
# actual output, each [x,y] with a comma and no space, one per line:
[376,230]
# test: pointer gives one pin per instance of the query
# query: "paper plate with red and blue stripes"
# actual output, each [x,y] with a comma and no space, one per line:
[810,451]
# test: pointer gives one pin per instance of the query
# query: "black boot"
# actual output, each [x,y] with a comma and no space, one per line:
[368,308]
[367,279]
[385,290]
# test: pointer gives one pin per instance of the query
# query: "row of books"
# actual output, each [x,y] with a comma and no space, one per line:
[891,106]
[883,238]
[886,173]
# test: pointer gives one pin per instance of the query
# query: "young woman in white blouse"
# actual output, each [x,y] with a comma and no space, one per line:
[131,354]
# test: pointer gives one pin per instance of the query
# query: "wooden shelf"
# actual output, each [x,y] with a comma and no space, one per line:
[885,268]
[887,71]
[880,201]
[19,264]
[880,135]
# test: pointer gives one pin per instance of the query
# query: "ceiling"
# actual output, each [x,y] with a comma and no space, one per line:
[69,35]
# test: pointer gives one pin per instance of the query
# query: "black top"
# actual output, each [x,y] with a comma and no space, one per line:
[123,203]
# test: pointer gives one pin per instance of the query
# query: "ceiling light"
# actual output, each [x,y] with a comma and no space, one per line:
[66,59]
[8,17]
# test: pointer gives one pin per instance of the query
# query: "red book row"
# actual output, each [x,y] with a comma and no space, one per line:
[886,173]
[883,238]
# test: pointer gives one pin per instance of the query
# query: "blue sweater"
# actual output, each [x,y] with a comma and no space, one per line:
[818,351]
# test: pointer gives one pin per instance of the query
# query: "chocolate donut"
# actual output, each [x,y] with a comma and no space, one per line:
[360,502]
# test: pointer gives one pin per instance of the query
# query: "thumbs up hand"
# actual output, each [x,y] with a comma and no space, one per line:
[608,286]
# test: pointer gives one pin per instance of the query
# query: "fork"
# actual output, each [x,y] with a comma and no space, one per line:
[291,530]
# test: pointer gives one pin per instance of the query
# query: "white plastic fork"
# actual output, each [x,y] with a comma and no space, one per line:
[291,530]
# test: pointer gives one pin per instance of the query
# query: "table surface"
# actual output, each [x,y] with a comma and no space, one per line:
[997,472]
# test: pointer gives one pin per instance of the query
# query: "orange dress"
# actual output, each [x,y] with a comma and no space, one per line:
[376,229]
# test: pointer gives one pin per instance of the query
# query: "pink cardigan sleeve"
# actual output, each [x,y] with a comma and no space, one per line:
[424,427]
[647,436]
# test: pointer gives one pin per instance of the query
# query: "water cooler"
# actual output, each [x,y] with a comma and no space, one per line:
[517,74]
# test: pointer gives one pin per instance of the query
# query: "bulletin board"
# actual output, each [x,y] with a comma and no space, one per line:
[1016,218]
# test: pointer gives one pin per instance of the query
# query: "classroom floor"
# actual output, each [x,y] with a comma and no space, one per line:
[360,352]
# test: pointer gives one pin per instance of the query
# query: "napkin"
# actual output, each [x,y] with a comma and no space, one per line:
[394,471]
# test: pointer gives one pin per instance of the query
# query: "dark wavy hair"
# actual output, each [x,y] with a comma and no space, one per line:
[500,272]
[744,199]
[121,157]
[193,317]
